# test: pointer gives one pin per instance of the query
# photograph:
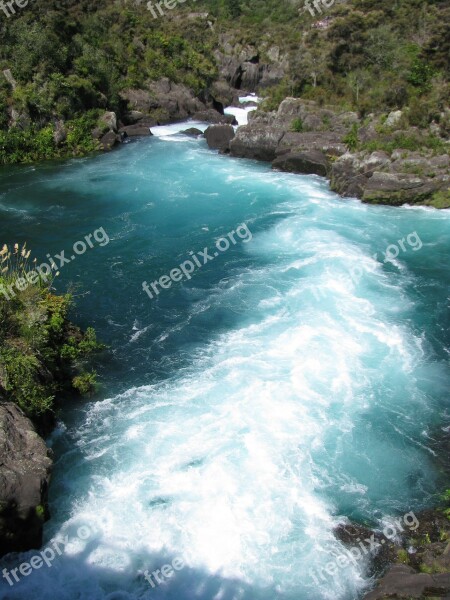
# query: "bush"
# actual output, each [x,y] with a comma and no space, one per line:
[86,383]
[41,352]
[297,125]
[351,139]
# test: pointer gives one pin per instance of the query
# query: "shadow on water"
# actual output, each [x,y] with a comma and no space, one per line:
[75,577]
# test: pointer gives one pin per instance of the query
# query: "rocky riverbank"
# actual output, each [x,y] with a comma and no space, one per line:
[25,467]
[374,159]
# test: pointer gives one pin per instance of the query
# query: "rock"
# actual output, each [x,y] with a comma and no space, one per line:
[256,141]
[192,131]
[403,583]
[218,137]
[313,162]
[213,116]
[60,133]
[110,120]
[393,118]
[163,100]
[109,140]
[25,467]
[9,78]
[398,188]
[222,93]
[132,117]
[326,142]
[135,130]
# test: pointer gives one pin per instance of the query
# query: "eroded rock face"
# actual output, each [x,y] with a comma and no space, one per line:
[310,163]
[163,100]
[25,466]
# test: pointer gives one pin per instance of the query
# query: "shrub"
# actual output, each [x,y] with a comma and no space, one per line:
[85,383]
[297,125]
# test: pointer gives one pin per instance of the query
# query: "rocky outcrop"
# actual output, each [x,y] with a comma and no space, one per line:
[256,141]
[163,100]
[402,582]
[25,466]
[302,137]
[312,162]
[213,116]
[248,67]
[419,561]
[218,137]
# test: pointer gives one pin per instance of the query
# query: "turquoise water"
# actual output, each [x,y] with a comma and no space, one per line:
[295,380]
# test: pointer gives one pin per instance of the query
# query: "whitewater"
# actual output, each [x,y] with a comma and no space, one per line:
[249,411]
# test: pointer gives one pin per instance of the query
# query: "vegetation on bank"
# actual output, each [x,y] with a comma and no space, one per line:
[70,58]
[42,354]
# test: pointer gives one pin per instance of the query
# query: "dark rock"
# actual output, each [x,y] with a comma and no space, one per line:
[133,117]
[256,141]
[162,100]
[192,131]
[109,140]
[218,137]
[25,467]
[135,130]
[313,162]
[222,93]
[214,117]
[404,583]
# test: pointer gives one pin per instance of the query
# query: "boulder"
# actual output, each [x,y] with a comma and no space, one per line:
[398,188]
[60,133]
[215,117]
[25,467]
[135,130]
[312,162]
[393,118]
[256,141]
[109,119]
[192,132]
[109,140]
[218,137]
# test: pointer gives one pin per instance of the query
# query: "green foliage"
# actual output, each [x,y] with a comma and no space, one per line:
[33,144]
[351,139]
[297,125]
[441,199]
[400,140]
[86,383]
[41,352]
